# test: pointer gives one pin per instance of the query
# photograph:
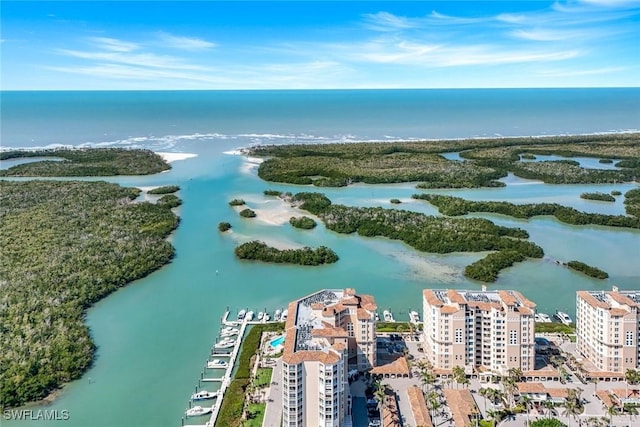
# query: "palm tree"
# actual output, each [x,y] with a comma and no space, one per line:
[427,376]
[510,387]
[459,376]
[379,392]
[526,402]
[434,403]
[493,415]
[548,405]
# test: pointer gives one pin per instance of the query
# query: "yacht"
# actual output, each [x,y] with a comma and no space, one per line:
[225,343]
[563,317]
[204,395]
[241,315]
[542,318]
[377,317]
[284,315]
[260,315]
[266,317]
[249,316]
[229,333]
[217,363]
[198,410]
[414,317]
[276,315]
[388,317]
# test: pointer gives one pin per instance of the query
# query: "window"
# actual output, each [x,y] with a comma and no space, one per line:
[458,335]
[628,340]
[513,337]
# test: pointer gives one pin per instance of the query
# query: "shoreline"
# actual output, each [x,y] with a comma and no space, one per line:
[174,157]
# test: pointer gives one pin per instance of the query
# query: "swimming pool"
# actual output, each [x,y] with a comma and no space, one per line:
[277,341]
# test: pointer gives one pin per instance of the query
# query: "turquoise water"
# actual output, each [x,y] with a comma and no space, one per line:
[276,342]
[155,335]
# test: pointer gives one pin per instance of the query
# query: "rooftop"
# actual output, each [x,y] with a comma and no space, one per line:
[484,300]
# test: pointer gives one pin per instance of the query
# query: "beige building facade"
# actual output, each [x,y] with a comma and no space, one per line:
[327,334]
[607,328]
[481,331]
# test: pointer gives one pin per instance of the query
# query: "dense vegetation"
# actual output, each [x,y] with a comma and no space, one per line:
[236,202]
[587,269]
[632,202]
[66,245]
[486,161]
[167,189]
[555,328]
[230,414]
[427,233]
[395,201]
[259,251]
[455,206]
[86,162]
[247,213]
[303,222]
[224,226]
[616,193]
[169,201]
[272,192]
[603,197]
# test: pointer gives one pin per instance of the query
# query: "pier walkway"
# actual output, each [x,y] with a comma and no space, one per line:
[226,379]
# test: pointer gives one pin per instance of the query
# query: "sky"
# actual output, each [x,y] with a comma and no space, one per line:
[158,45]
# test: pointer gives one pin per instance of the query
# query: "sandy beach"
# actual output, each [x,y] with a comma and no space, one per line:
[174,157]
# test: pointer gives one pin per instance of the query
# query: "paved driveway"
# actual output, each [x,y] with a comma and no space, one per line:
[273,412]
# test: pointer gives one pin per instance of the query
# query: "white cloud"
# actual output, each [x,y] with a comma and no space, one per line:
[113,45]
[579,72]
[184,43]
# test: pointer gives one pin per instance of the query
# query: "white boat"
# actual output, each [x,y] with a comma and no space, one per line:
[225,343]
[563,317]
[198,410]
[249,316]
[545,318]
[284,315]
[241,314]
[266,317]
[205,395]
[377,317]
[260,315]
[414,317]
[388,317]
[217,363]
[276,315]
[229,333]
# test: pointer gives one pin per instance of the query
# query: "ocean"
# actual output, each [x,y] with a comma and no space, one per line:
[154,335]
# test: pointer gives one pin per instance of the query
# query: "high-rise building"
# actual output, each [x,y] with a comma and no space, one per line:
[485,331]
[328,334]
[607,329]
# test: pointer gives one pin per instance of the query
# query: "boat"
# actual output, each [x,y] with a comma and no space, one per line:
[241,314]
[225,343]
[260,315]
[284,315]
[542,318]
[217,363]
[266,317]
[226,333]
[563,317]
[414,317]
[276,315]
[249,316]
[388,317]
[377,317]
[205,395]
[197,411]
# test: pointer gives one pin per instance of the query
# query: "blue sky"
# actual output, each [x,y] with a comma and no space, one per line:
[77,45]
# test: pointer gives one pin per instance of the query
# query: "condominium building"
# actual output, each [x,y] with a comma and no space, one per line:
[327,334]
[481,331]
[607,329]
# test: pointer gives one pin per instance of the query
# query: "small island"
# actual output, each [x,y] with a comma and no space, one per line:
[272,192]
[456,206]
[632,202]
[303,222]
[605,161]
[587,269]
[259,251]
[224,226]
[85,162]
[169,201]
[167,189]
[236,202]
[602,197]
[428,233]
[395,201]
[247,213]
